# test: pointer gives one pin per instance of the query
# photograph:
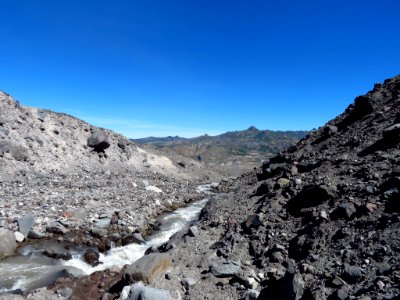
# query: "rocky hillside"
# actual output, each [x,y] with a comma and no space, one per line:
[232,152]
[41,141]
[60,174]
[318,221]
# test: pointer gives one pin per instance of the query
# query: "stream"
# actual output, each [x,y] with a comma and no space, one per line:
[30,269]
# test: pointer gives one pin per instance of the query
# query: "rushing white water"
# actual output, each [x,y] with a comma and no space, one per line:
[32,270]
[120,256]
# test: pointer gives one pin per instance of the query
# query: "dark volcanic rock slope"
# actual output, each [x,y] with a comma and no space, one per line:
[318,221]
[329,207]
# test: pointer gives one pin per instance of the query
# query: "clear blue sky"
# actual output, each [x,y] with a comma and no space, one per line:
[191,67]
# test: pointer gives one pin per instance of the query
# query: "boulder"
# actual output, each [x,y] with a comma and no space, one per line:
[293,286]
[56,228]
[123,144]
[19,237]
[152,249]
[91,257]
[294,170]
[98,232]
[282,182]
[188,282]
[352,274]
[340,294]
[56,253]
[383,269]
[99,141]
[103,223]
[225,269]
[310,196]
[253,221]
[35,234]
[345,210]
[263,189]
[362,106]
[193,231]
[148,267]
[330,130]
[133,238]
[25,224]
[140,292]
[65,292]
[8,243]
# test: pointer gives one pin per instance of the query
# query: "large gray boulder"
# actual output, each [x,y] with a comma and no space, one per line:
[8,243]
[103,223]
[99,141]
[148,267]
[25,224]
[225,269]
[140,292]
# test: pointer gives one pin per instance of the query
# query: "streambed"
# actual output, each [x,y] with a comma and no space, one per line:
[30,269]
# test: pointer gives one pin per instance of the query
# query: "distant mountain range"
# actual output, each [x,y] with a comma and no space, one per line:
[231,152]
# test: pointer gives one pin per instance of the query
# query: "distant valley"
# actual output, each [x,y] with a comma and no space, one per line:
[232,153]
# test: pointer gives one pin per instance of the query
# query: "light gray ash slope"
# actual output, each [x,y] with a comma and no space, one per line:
[35,140]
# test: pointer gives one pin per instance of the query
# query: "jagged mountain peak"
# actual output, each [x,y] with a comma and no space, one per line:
[252,128]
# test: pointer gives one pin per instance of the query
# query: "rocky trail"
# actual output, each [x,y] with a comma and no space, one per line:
[317,221]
